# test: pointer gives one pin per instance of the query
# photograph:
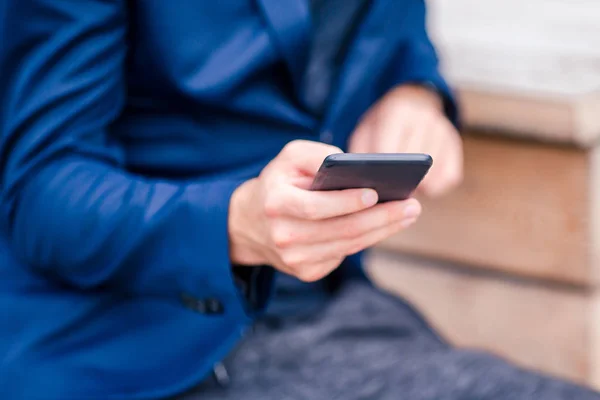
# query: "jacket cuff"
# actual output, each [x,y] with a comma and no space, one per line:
[256,287]
[215,281]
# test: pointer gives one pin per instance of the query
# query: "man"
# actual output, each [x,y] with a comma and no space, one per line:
[154,160]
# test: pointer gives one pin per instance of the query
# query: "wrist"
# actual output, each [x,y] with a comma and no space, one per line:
[242,250]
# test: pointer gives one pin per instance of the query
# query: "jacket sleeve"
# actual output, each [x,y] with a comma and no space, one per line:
[417,59]
[73,213]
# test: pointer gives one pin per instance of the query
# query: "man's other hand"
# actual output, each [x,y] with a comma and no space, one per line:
[276,220]
[410,119]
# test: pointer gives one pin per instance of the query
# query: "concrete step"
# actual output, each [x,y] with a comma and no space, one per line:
[549,328]
[525,208]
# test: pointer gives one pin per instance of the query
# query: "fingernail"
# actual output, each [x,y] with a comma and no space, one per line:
[408,222]
[412,211]
[369,197]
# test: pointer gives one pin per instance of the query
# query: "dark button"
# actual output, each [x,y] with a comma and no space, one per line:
[221,375]
[213,306]
[203,306]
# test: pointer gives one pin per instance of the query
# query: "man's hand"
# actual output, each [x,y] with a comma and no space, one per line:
[275,220]
[410,119]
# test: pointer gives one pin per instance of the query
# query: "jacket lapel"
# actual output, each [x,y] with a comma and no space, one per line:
[290,24]
[376,42]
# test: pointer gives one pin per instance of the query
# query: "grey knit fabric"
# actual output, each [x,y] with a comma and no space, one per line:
[365,344]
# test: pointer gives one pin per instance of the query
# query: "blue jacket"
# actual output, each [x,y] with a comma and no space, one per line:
[125,125]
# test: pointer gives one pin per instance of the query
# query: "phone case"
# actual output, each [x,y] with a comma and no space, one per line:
[393,176]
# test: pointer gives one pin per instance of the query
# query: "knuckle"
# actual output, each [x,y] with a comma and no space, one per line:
[290,150]
[298,145]
[281,237]
[453,176]
[272,205]
[271,209]
[291,147]
[293,260]
[310,275]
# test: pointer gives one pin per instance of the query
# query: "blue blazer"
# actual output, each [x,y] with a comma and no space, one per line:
[125,125]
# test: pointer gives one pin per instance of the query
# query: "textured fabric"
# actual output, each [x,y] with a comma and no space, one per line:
[125,126]
[367,345]
[334,24]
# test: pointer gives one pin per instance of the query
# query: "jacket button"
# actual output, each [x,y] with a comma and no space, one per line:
[208,306]
[213,306]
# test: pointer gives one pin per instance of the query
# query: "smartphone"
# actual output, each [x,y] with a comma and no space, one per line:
[394,176]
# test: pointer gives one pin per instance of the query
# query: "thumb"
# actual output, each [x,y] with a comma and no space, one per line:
[305,156]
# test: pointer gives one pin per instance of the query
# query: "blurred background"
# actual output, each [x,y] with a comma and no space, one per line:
[510,262]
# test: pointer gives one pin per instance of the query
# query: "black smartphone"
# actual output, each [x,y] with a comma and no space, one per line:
[394,176]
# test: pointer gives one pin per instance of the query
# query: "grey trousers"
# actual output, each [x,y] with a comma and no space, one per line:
[365,344]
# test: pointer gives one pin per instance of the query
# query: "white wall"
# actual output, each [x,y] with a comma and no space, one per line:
[540,45]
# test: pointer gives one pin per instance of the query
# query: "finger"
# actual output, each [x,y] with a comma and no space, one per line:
[438,149]
[306,156]
[302,232]
[440,145]
[315,272]
[434,182]
[318,205]
[302,181]
[448,168]
[376,236]
[320,252]
[456,169]
[448,180]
